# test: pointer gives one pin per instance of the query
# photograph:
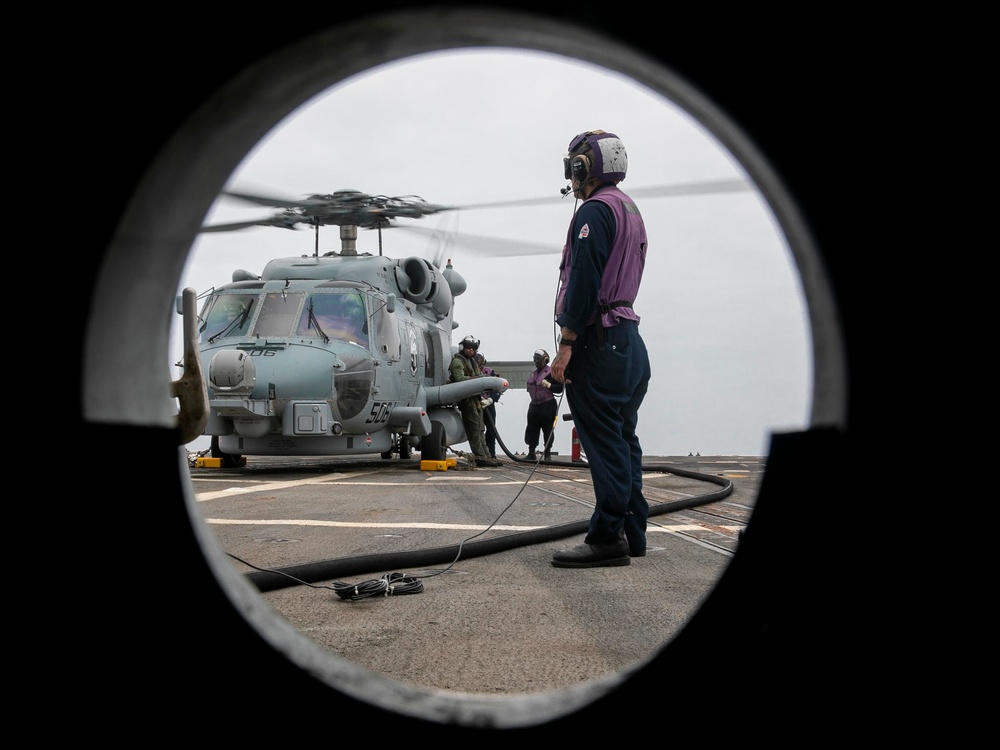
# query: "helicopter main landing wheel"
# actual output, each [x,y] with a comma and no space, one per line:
[432,446]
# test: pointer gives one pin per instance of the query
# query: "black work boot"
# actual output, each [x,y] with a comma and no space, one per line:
[609,555]
[531,453]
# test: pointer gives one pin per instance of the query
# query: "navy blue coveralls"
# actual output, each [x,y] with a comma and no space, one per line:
[601,271]
[491,420]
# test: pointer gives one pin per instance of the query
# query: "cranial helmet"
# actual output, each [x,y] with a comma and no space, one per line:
[470,342]
[480,359]
[596,155]
[541,357]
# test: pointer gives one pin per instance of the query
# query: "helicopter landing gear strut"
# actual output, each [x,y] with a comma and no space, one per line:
[400,445]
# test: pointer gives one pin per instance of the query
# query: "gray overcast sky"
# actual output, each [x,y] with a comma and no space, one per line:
[721,304]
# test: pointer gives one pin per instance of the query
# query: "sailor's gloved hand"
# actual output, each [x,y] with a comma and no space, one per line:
[547,384]
[486,402]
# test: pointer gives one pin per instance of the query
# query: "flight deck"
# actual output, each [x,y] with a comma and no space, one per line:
[477,607]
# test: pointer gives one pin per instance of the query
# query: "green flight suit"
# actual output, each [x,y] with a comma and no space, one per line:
[464,368]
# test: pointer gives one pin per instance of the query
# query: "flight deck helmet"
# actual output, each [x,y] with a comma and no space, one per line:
[595,155]
[470,342]
[541,358]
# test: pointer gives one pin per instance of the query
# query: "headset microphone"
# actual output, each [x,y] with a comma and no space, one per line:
[566,190]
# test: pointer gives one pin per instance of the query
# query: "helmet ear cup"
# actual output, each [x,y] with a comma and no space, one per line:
[580,168]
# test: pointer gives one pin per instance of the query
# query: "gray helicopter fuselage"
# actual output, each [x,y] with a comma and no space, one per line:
[333,356]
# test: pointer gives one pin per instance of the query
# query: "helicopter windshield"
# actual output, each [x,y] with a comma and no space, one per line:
[335,315]
[226,315]
[278,313]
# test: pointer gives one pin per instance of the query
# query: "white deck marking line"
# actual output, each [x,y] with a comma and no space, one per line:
[460,526]
[690,527]
[358,525]
[272,486]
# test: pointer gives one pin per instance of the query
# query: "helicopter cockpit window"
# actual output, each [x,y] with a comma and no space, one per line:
[226,315]
[335,315]
[278,314]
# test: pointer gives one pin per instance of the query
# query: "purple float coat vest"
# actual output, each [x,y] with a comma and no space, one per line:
[623,272]
[538,392]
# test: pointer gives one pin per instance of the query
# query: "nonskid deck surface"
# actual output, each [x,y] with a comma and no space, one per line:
[492,615]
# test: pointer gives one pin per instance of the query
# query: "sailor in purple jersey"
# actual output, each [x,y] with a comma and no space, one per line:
[602,359]
[543,409]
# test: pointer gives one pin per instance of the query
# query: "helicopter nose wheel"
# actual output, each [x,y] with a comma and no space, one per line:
[400,445]
[229,461]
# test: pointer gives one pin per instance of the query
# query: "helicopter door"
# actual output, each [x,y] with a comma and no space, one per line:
[415,358]
[412,363]
[387,331]
[428,356]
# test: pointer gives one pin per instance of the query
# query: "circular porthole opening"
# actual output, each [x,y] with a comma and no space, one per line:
[151,249]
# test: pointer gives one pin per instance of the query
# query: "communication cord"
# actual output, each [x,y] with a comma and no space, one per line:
[393,584]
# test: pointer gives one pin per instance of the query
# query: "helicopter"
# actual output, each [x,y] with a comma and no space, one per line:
[339,354]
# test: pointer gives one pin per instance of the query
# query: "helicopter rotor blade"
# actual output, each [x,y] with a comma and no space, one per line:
[483,246]
[495,247]
[268,222]
[352,207]
[690,188]
[342,207]
[269,201]
[418,207]
[442,239]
